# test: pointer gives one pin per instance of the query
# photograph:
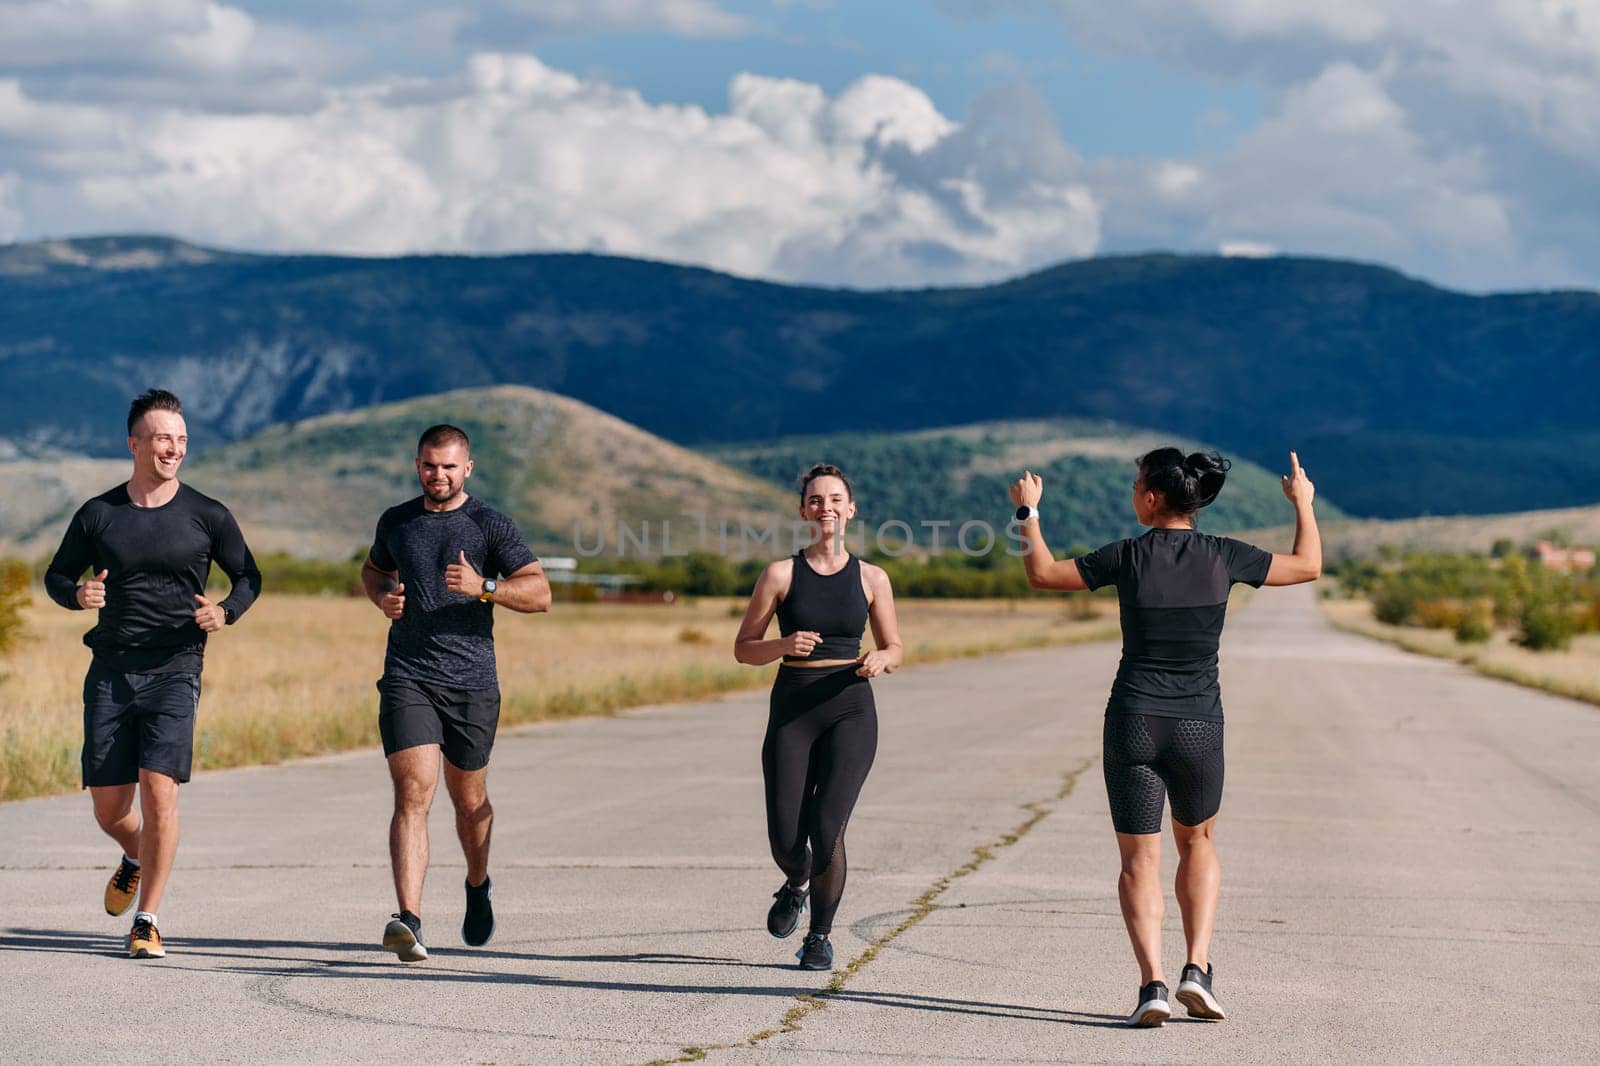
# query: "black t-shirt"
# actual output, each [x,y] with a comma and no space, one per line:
[1172,585]
[158,559]
[445,638]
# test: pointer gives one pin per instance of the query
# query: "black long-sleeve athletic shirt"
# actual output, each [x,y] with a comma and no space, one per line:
[157,560]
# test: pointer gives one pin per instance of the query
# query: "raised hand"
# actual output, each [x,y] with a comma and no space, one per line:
[801,642]
[393,604]
[1297,484]
[209,616]
[1027,489]
[461,577]
[92,593]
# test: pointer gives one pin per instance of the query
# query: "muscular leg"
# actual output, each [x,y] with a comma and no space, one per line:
[1139,890]
[474,817]
[158,841]
[415,773]
[1198,883]
[113,809]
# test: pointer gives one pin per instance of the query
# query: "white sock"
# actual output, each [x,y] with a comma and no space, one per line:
[146,916]
[130,861]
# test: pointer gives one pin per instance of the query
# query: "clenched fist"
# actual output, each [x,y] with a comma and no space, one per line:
[393,604]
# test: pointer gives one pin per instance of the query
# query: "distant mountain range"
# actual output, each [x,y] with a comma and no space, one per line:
[1402,398]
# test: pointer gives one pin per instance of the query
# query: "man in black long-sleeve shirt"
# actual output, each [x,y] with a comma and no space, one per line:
[149,545]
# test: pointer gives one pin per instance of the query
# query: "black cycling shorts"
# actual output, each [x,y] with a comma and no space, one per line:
[1149,758]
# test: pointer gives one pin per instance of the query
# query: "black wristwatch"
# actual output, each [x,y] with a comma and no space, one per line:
[489,587]
[1025,512]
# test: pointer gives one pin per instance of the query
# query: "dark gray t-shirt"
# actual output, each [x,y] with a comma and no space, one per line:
[445,638]
[1172,585]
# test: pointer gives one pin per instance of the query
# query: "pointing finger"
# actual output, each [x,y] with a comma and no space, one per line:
[1294,463]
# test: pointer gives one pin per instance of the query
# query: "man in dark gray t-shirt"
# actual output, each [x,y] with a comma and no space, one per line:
[438,567]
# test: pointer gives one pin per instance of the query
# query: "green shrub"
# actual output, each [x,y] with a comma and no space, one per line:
[1476,624]
[1545,624]
[1394,604]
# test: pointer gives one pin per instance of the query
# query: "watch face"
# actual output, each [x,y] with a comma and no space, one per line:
[490,585]
[1024,513]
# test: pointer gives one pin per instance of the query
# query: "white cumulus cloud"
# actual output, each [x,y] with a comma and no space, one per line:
[870,187]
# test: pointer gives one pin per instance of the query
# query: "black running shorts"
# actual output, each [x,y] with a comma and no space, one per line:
[1149,758]
[134,722]
[461,721]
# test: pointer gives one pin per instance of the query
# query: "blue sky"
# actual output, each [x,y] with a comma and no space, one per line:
[894,143]
[951,57]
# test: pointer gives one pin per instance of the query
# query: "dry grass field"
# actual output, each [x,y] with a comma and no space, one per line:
[296,676]
[1574,672]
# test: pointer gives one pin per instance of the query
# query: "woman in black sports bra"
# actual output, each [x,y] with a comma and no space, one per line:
[822,731]
[1163,727]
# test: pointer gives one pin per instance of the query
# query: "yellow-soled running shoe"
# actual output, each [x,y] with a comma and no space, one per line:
[122,887]
[144,941]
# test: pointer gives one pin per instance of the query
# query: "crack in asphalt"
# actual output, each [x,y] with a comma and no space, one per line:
[808,1003]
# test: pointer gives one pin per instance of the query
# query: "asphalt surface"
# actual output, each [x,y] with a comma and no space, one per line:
[1410,864]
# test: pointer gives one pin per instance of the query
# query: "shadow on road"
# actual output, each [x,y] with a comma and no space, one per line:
[279,958]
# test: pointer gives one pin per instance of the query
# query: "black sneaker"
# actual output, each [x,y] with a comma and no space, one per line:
[1194,992]
[478,926]
[815,952]
[788,904]
[1152,1009]
[403,936]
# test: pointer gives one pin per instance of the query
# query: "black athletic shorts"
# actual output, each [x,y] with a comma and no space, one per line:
[461,721]
[1148,758]
[134,722]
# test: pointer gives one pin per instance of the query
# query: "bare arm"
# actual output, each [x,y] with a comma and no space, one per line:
[750,646]
[890,653]
[527,591]
[1045,571]
[1304,563]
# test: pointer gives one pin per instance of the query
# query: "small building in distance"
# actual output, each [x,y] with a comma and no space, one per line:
[1564,560]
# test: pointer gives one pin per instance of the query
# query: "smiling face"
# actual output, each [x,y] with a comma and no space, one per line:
[159,442]
[443,470]
[826,504]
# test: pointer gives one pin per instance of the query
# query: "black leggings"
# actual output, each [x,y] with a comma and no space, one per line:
[1148,757]
[821,737]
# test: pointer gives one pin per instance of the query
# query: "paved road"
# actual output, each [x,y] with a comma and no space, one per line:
[1411,856]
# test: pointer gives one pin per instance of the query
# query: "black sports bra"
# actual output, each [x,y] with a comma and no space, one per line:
[831,604]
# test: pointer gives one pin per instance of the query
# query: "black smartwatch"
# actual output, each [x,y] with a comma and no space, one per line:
[489,587]
[1024,513]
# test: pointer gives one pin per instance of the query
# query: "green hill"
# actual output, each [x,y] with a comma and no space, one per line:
[962,472]
[316,487]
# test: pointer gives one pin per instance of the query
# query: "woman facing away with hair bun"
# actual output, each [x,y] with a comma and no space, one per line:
[822,732]
[1163,725]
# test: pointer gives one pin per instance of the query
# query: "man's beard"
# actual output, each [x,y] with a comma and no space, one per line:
[444,495]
